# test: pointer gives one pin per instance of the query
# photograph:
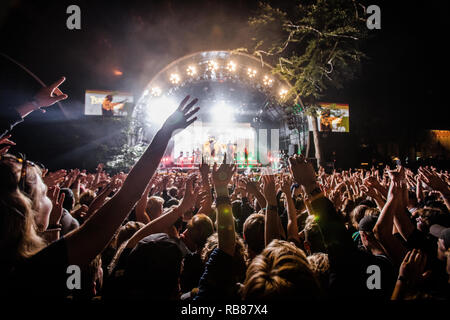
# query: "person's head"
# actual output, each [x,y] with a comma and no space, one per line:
[30,183]
[154,207]
[171,202]
[87,197]
[253,233]
[153,269]
[199,228]
[109,98]
[92,279]
[24,208]
[126,232]
[365,227]
[240,257]
[313,237]
[357,214]
[173,192]
[69,199]
[442,234]
[320,265]
[280,272]
[360,212]
[425,217]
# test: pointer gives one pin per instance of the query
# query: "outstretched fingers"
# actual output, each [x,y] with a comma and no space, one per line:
[183,102]
[190,105]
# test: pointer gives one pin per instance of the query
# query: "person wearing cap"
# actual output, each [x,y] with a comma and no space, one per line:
[443,244]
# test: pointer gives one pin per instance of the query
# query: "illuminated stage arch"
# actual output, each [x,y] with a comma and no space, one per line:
[235,90]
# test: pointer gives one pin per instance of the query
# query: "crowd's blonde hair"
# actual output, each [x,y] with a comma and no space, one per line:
[281,271]
[18,237]
[240,258]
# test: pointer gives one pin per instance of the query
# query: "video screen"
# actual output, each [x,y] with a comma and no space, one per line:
[334,117]
[107,103]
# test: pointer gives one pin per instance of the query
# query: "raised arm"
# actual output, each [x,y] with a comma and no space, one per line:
[271,229]
[225,222]
[385,223]
[89,240]
[141,215]
[292,227]
[432,179]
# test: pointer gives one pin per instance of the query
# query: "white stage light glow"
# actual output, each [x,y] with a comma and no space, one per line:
[222,113]
[174,78]
[231,66]
[160,109]
[191,71]
[283,93]
[156,91]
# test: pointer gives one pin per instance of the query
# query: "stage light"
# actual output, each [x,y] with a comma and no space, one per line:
[267,81]
[212,65]
[145,92]
[251,72]
[160,109]
[156,91]
[283,93]
[222,113]
[174,78]
[191,71]
[231,66]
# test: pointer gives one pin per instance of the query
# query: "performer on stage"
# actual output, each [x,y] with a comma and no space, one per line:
[108,106]
[246,156]
[197,155]
[212,146]
[230,151]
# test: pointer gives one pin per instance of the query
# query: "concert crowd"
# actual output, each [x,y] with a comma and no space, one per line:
[216,234]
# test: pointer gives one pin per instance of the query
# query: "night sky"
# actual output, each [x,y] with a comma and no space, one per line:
[402,87]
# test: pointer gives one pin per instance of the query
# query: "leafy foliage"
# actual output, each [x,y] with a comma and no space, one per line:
[314,46]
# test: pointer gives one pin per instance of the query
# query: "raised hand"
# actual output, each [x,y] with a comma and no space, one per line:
[80,213]
[182,117]
[268,189]
[286,186]
[221,177]
[204,170]
[51,179]
[431,179]
[9,143]
[413,266]
[303,172]
[57,201]
[250,186]
[189,197]
[49,95]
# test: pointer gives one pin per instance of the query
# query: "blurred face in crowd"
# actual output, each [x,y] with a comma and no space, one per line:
[41,203]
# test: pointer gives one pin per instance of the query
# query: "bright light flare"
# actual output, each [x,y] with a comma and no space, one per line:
[191,71]
[212,65]
[160,109]
[222,113]
[231,66]
[174,78]
[251,72]
[156,91]
[283,92]
[267,81]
